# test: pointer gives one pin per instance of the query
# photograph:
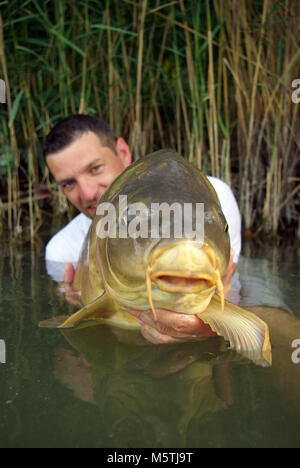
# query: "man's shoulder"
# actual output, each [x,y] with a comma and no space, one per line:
[224,192]
[65,245]
[81,222]
[231,212]
[219,185]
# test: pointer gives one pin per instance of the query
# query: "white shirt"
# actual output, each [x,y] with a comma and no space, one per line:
[66,245]
[231,212]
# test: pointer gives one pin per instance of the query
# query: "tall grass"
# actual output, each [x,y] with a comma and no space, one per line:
[212,79]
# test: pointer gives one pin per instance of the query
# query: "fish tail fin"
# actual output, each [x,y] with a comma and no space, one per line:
[149,291]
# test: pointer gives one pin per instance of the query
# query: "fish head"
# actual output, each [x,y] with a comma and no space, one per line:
[172,265]
[186,269]
[189,267]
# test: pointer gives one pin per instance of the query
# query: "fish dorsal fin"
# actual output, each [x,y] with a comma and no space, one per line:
[88,279]
[247,334]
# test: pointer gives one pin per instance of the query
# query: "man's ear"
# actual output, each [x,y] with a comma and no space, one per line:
[123,151]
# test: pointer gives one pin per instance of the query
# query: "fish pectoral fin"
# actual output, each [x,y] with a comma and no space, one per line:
[53,322]
[246,333]
[100,308]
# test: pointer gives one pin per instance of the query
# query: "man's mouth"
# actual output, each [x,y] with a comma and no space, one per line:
[91,209]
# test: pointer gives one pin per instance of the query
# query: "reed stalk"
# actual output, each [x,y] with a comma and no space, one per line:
[137,129]
[13,175]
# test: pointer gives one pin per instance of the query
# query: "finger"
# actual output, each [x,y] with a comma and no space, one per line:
[69,273]
[155,337]
[64,288]
[161,328]
[74,300]
[188,324]
[176,324]
[72,297]
[231,266]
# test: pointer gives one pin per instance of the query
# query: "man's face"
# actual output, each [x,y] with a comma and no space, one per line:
[85,169]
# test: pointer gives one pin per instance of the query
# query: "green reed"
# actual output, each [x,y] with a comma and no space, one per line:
[212,79]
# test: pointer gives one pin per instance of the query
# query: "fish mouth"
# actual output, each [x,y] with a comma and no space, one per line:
[174,283]
[184,268]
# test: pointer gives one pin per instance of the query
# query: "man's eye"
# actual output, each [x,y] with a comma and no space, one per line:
[68,185]
[96,168]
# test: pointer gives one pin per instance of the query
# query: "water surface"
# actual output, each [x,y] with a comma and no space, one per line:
[100,387]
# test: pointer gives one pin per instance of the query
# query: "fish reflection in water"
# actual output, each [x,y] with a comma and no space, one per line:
[174,395]
[155,388]
[108,392]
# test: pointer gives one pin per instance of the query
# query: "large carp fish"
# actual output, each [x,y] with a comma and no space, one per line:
[120,269]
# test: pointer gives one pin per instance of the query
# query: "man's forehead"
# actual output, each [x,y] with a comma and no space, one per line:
[78,157]
[84,145]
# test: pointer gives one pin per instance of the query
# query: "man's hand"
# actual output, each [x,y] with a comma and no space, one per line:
[69,273]
[66,287]
[171,327]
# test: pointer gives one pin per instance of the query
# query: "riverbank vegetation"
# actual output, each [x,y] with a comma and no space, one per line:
[214,79]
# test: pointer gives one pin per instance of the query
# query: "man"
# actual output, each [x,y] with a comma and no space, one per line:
[84,157]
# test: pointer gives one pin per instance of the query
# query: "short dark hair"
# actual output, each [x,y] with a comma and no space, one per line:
[71,128]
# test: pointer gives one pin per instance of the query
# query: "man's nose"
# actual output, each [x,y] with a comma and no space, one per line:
[88,192]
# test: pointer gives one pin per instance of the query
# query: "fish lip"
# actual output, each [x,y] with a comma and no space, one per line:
[188,284]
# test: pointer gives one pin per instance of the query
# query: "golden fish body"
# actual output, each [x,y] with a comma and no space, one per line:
[179,273]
